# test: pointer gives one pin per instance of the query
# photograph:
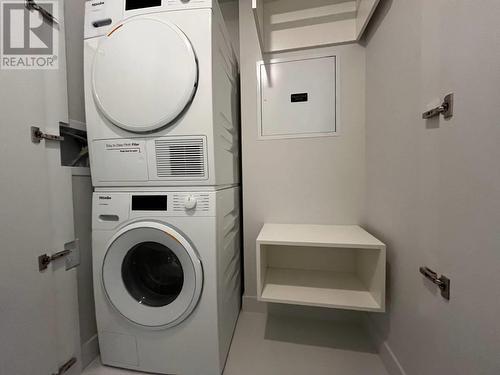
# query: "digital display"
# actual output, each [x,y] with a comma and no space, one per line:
[300,97]
[138,4]
[149,203]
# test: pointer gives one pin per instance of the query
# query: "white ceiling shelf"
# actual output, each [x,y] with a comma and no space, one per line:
[292,24]
[335,266]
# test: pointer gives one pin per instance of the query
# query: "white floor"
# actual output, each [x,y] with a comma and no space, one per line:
[284,345]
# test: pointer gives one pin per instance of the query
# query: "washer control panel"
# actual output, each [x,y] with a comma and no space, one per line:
[112,208]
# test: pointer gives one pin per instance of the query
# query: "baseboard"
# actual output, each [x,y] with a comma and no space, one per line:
[389,359]
[90,351]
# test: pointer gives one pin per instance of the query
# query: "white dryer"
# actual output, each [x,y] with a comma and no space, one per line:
[166,279]
[161,94]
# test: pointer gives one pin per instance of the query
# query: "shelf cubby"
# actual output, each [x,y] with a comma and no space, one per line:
[335,266]
[290,24]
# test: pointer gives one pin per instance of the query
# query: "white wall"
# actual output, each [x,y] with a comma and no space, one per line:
[230,12]
[309,180]
[433,188]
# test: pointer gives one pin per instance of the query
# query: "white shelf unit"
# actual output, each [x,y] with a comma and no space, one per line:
[335,266]
[291,24]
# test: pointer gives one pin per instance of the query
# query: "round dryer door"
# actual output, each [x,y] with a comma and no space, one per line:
[145,74]
[152,275]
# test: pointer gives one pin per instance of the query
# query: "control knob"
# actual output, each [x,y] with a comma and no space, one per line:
[190,202]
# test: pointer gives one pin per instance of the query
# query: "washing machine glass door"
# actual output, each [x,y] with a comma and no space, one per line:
[152,275]
[145,74]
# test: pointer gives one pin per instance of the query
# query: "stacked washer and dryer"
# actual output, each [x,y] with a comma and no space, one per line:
[162,100]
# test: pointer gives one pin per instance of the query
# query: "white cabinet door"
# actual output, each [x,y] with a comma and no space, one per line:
[459,179]
[38,310]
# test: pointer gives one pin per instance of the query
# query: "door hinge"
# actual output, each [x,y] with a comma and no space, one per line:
[71,252]
[64,368]
[32,5]
[37,135]
[442,282]
[445,109]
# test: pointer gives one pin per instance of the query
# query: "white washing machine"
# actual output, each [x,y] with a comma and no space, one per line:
[166,279]
[161,94]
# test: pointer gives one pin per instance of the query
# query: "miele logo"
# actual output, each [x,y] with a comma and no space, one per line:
[107,197]
[97,4]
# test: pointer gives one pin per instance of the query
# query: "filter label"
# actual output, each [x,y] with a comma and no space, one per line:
[125,147]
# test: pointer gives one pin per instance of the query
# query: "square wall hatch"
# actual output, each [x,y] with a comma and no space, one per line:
[298,98]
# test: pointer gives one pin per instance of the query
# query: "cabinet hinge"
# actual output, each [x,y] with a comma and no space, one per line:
[445,109]
[37,135]
[71,252]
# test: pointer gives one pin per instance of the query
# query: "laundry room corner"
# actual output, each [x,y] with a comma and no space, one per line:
[300,180]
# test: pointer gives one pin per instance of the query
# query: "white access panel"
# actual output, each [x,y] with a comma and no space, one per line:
[298,98]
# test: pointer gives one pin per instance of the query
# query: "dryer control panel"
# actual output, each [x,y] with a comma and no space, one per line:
[102,16]
[140,4]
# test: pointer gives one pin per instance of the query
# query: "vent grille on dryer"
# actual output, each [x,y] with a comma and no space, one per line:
[180,158]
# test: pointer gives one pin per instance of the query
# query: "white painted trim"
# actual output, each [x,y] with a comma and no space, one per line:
[90,351]
[309,56]
[387,355]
